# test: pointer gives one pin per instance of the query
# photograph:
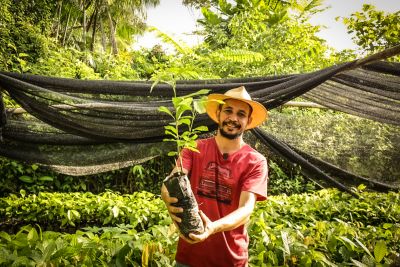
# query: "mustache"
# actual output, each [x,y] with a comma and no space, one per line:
[232,123]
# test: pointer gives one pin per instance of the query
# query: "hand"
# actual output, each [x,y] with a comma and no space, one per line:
[209,229]
[172,210]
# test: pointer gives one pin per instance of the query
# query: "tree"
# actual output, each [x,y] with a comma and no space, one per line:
[374,30]
[277,29]
[117,19]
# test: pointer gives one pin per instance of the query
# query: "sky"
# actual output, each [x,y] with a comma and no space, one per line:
[178,21]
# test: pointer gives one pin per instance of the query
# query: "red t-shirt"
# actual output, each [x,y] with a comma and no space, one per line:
[217,184]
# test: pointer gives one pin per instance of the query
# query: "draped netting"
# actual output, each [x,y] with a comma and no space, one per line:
[84,127]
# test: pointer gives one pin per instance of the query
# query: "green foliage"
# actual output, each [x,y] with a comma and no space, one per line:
[23,28]
[277,30]
[185,109]
[39,179]
[180,47]
[92,246]
[362,146]
[287,181]
[327,228]
[62,210]
[68,63]
[374,30]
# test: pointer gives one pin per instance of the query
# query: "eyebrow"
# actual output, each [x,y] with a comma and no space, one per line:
[240,110]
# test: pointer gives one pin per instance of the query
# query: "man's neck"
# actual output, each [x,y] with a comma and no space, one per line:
[226,145]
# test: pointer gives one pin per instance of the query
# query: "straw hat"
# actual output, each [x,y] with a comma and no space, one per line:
[259,114]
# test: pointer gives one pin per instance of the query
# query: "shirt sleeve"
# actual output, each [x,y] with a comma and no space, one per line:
[257,180]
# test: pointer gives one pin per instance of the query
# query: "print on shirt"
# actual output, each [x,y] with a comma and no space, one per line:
[214,183]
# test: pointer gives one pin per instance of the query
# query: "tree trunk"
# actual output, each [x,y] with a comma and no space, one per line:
[103,37]
[112,34]
[83,6]
[94,26]
[59,19]
[66,27]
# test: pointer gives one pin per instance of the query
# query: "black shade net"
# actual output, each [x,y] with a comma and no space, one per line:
[83,127]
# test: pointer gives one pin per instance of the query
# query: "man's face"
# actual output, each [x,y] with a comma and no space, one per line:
[233,118]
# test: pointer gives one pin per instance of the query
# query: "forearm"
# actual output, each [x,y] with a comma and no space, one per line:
[238,217]
[232,220]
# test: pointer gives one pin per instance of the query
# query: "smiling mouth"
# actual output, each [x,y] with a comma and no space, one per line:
[231,125]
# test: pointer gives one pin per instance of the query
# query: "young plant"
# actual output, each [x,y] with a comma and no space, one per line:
[181,131]
[185,110]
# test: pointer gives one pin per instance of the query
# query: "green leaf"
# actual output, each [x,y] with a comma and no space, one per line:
[26,179]
[32,235]
[76,213]
[185,121]
[49,250]
[115,211]
[364,247]
[46,179]
[22,192]
[285,241]
[199,105]
[165,110]
[122,253]
[387,225]
[69,215]
[34,167]
[153,85]
[171,128]
[201,129]
[200,92]
[5,236]
[380,250]
[348,243]
[170,133]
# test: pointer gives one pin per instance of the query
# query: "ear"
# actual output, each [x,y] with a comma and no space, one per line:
[218,111]
[249,120]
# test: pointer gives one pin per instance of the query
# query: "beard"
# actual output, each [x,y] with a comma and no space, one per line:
[230,136]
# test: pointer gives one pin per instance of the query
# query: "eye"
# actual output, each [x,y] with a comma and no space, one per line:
[241,114]
[227,111]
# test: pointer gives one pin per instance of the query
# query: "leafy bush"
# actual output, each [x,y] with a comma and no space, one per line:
[328,228]
[60,210]
[287,180]
[32,178]
[325,229]
[92,246]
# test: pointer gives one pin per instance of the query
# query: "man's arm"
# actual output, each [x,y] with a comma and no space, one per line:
[231,221]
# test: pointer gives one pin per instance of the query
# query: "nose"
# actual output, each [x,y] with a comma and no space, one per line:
[233,117]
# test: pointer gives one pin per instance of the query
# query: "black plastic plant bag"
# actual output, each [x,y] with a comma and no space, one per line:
[178,185]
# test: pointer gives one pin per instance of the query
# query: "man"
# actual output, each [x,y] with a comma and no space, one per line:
[227,177]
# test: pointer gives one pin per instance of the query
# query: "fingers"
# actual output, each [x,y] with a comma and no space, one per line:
[175,218]
[188,240]
[172,210]
[193,238]
[203,216]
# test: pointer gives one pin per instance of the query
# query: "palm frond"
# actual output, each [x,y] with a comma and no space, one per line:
[236,55]
[181,47]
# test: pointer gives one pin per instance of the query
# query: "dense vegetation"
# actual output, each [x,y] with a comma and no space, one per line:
[49,219]
[325,228]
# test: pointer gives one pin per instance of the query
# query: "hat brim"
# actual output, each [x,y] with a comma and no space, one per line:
[258,115]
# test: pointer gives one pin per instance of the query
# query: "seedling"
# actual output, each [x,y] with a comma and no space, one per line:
[181,131]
